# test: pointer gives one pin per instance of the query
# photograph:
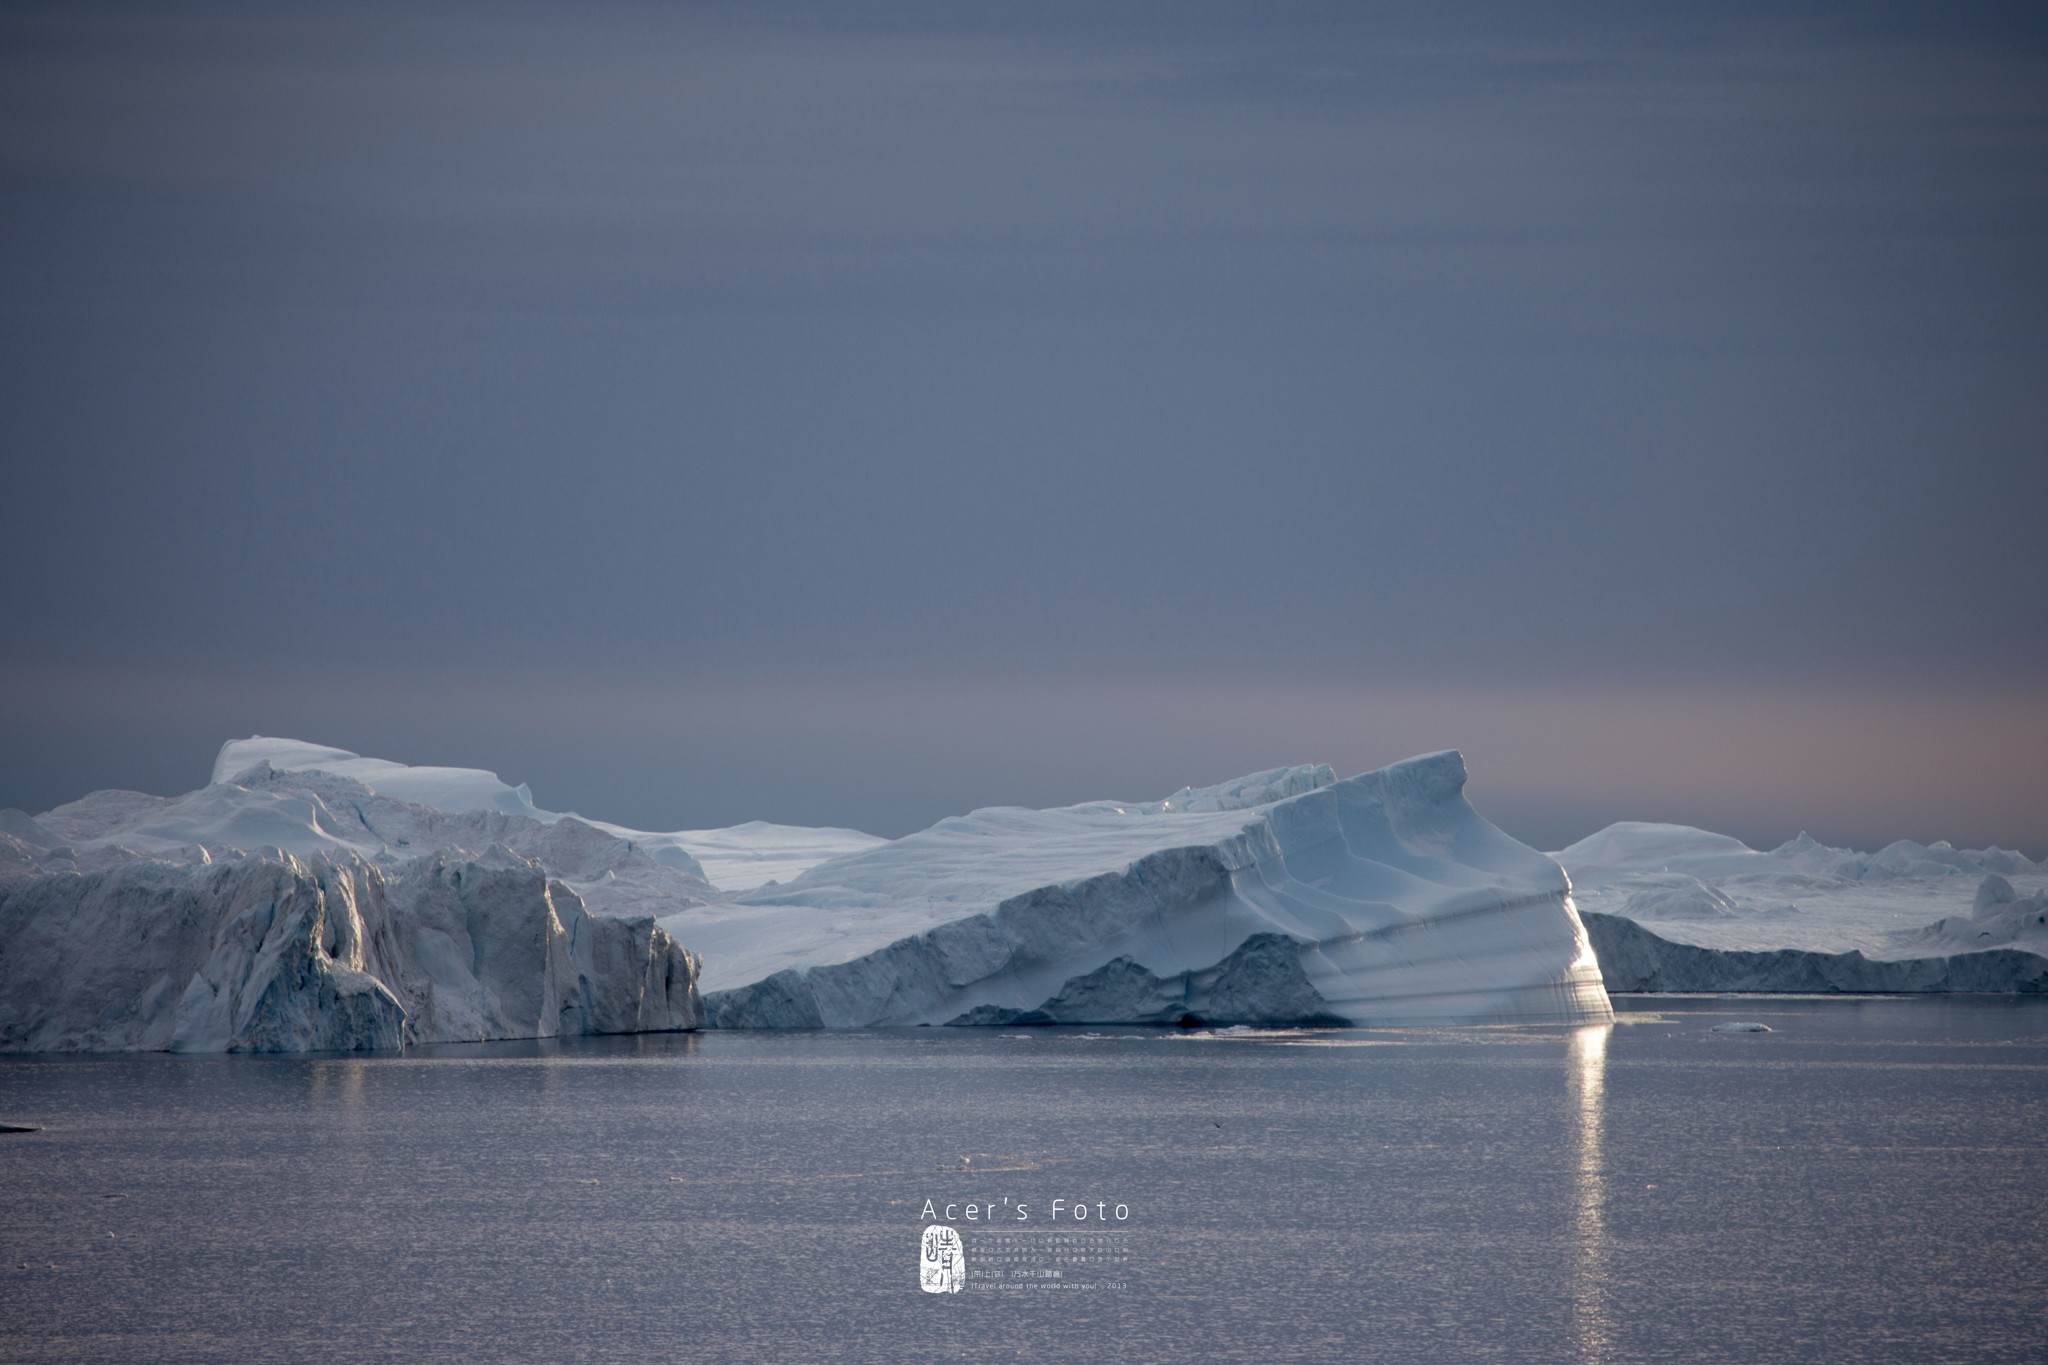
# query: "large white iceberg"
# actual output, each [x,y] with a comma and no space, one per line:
[1288,896]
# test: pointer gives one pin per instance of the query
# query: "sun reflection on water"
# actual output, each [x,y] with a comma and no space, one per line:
[1592,1327]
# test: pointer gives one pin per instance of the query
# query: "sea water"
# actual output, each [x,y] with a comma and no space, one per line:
[1866,1181]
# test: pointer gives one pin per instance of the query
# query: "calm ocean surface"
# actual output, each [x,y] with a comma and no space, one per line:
[1868,1182]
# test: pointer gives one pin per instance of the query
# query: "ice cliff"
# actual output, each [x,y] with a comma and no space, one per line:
[1672,908]
[280,954]
[1285,897]
[298,908]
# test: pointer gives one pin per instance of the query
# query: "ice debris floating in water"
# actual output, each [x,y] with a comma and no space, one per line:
[313,898]
[1672,908]
[1739,1027]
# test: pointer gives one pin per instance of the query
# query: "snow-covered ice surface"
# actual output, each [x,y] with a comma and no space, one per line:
[1287,896]
[1806,916]
[455,790]
[738,858]
[743,857]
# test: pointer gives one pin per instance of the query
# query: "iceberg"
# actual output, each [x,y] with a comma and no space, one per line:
[1672,908]
[1285,897]
[292,905]
[281,954]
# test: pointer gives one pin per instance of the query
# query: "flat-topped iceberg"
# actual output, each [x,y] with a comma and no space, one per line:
[1289,897]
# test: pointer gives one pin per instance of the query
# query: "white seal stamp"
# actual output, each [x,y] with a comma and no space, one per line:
[941,1261]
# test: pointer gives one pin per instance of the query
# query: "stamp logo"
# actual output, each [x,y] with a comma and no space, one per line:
[941,1261]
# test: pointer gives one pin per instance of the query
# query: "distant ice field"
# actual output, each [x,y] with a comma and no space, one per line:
[1907,900]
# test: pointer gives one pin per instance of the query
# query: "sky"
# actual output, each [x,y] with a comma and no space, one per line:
[857,414]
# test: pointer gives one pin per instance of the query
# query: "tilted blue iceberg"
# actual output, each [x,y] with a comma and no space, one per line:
[1288,897]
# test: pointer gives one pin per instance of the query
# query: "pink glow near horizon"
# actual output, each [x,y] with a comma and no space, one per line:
[1865,763]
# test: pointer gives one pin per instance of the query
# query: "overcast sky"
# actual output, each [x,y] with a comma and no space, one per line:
[852,414]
